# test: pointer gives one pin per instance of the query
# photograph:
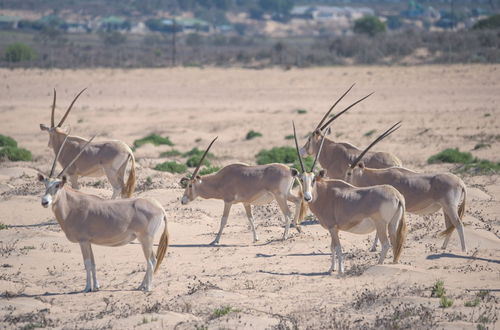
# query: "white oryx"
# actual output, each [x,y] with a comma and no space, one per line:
[249,185]
[108,158]
[88,219]
[336,156]
[425,193]
[340,206]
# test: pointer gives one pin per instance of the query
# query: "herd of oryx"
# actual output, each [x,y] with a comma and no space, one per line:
[356,191]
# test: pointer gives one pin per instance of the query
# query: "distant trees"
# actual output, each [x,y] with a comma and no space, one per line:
[369,25]
[19,52]
[492,22]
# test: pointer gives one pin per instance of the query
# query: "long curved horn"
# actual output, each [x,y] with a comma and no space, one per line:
[333,106]
[319,152]
[203,157]
[340,113]
[70,106]
[297,147]
[377,140]
[53,110]
[58,154]
[77,156]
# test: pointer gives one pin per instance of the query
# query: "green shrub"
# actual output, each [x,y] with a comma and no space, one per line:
[480,166]
[308,161]
[15,154]
[153,139]
[445,302]
[492,22]
[194,160]
[482,146]
[197,152]
[438,289]
[285,155]
[219,312]
[451,156]
[172,167]
[370,25]
[19,52]
[289,137]
[171,153]
[3,226]
[301,111]
[7,141]
[472,303]
[370,132]
[252,134]
[209,170]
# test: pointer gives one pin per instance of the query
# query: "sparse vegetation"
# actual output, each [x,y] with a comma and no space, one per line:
[438,289]
[301,111]
[3,226]
[172,167]
[369,25]
[370,132]
[153,139]
[15,154]
[193,161]
[482,146]
[7,141]
[19,52]
[472,303]
[209,170]
[252,134]
[285,155]
[219,312]
[289,137]
[445,302]
[197,152]
[171,153]
[451,156]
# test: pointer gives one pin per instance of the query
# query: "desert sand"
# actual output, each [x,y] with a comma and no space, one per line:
[272,283]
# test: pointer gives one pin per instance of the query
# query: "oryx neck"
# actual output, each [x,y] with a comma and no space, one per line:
[209,187]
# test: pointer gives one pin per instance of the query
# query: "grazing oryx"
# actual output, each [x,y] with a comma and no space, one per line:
[88,219]
[337,156]
[424,193]
[108,158]
[249,185]
[341,206]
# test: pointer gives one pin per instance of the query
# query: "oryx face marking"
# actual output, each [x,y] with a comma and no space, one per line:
[52,187]
[190,192]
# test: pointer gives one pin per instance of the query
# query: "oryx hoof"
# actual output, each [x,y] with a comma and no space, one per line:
[373,249]
[87,290]
[215,242]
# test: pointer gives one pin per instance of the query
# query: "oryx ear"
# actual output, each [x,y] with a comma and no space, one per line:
[198,178]
[294,172]
[361,165]
[41,178]
[43,127]
[321,174]
[64,180]
[328,131]
[317,132]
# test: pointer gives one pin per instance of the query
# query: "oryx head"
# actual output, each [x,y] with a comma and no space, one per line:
[309,179]
[53,184]
[356,168]
[190,184]
[314,140]
[54,129]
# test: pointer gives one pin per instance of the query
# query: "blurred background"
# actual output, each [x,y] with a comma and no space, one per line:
[246,33]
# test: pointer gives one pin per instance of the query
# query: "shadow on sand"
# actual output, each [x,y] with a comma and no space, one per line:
[456,256]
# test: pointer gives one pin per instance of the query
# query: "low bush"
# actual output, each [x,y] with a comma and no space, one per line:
[172,167]
[171,153]
[252,134]
[301,111]
[7,141]
[445,302]
[469,163]
[209,170]
[153,139]
[197,152]
[15,154]
[289,137]
[285,155]
[193,161]
[451,156]
[308,161]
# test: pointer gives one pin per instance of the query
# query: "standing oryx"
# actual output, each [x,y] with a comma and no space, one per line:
[249,185]
[424,193]
[108,158]
[88,219]
[341,206]
[337,156]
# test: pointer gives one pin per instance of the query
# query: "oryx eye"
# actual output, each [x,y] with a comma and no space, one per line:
[348,173]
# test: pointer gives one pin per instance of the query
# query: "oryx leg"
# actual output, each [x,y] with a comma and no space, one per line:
[74,181]
[248,210]
[336,249]
[94,275]
[374,245]
[382,235]
[147,247]
[223,222]
[448,224]
[115,181]
[452,213]
[297,201]
[120,174]
[286,212]
[87,261]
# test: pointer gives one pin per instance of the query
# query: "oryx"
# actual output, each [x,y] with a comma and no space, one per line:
[249,185]
[108,158]
[89,219]
[336,156]
[341,206]
[425,193]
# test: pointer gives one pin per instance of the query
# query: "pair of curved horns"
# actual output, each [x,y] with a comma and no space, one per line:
[322,126]
[377,140]
[67,111]
[203,158]
[72,162]
[298,151]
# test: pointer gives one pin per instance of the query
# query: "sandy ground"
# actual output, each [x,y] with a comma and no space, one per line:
[273,283]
